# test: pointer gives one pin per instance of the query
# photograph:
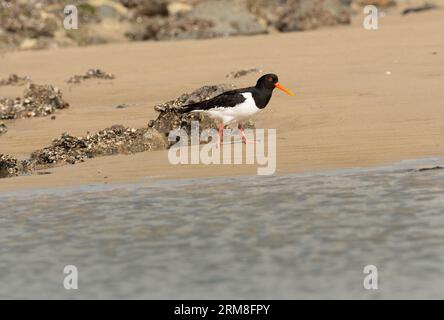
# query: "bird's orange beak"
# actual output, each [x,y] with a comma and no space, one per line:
[281,87]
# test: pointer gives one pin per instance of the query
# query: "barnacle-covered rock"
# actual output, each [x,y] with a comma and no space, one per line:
[116,139]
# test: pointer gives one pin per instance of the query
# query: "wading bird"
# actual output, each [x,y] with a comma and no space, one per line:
[239,105]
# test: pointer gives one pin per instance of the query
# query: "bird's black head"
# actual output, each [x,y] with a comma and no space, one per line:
[267,81]
[270,81]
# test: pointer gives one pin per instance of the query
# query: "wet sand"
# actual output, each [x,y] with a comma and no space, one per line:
[348,111]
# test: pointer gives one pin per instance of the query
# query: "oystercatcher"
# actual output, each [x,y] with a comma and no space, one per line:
[238,105]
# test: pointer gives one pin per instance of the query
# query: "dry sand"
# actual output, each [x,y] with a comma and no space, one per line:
[348,112]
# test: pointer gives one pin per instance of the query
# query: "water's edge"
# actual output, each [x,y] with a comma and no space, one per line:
[290,236]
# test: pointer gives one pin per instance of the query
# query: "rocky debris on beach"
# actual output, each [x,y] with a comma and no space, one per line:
[37,24]
[242,73]
[222,18]
[38,101]
[117,139]
[3,128]
[15,80]
[91,74]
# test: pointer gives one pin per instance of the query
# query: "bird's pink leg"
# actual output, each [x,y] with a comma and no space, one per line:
[244,137]
[221,133]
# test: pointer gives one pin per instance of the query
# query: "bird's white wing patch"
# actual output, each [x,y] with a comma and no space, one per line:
[239,112]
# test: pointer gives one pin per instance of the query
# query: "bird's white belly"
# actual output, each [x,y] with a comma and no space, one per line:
[239,112]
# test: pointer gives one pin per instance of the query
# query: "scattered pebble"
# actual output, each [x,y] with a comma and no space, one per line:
[3,128]
[432,168]
[14,80]
[424,7]
[121,106]
[243,72]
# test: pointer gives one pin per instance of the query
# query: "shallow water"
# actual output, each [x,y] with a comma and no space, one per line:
[280,237]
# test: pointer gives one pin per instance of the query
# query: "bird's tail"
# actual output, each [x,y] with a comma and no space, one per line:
[190,108]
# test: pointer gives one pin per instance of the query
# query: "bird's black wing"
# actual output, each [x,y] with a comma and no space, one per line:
[227,99]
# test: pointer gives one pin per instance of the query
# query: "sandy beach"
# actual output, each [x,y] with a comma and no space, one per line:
[93,208]
[363,98]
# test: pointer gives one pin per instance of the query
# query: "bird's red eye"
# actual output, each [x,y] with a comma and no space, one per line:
[270,79]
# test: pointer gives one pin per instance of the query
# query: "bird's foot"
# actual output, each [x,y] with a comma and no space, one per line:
[248,141]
